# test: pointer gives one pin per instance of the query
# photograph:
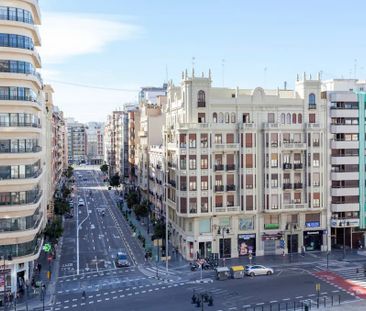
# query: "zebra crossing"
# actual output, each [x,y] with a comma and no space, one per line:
[354,275]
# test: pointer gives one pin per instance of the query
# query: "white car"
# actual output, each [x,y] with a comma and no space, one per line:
[258,270]
[81,202]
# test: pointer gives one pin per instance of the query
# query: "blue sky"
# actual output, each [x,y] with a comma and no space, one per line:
[127,44]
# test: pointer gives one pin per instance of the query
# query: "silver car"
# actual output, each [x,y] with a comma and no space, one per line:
[258,270]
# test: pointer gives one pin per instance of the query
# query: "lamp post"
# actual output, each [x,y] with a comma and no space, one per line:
[223,229]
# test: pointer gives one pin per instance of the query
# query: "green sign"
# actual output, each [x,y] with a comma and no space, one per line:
[47,247]
[271,226]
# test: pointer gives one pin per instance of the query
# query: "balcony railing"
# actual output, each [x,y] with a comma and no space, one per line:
[230,167]
[18,98]
[20,124]
[219,167]
[219,188]
[230,188]
[298,166]
[287,186]
[298,185]
[21,150]
[287,166]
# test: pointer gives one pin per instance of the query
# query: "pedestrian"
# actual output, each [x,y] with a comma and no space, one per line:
[39,267]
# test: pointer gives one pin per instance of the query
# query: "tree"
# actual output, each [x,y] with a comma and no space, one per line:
[104,168]
[69,171]
[61,207]
[159,230]
[115,181]
[132,199]
[54,229]
[140,210]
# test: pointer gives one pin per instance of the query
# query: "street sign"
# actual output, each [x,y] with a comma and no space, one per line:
[164,258]
[47,247]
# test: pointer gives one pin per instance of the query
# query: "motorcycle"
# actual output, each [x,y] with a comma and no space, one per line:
[194,266]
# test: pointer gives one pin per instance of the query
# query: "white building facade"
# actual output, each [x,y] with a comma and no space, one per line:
[246,169]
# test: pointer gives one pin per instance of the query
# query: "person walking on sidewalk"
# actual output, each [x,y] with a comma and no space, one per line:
[39,267]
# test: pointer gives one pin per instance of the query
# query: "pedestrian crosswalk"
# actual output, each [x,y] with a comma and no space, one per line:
[355,275]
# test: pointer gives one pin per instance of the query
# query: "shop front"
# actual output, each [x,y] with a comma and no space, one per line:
[246,244]
[271,242]
[313,240]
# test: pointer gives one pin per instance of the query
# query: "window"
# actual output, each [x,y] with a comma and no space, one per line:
[299,118]
[221,117]
[249,181]
[204,162]
[218,139]
[192,162]
[249,161]
[311,117]
[316,180]
[270,117]
[274,180]
[316,160]
[192,140]
[204,224]
[233,117]
[201,118]
[201,99]
[294,118]
[283,118]
[230,201]
[312,103]
[316,199]
[229,138]
[193,205]
[249,203]
[204,140]
[182,140]
[274,160]
[192,183]
[246,118]
[288,118]
[204,205]
[183,205]
[218,201]
[214,117]
[248,140]
[227,117]
[204,182]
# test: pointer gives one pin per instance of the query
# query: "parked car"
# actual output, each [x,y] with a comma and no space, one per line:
[69,216]
[121,260]
[81,202]
[258,270]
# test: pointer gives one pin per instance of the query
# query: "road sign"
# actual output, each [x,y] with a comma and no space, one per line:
[47,247]
[158,242]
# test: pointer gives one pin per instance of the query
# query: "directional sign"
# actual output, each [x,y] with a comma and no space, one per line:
[47,247]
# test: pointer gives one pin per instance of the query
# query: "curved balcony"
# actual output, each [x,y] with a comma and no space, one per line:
[32,77]
[31,178]
[21,24]
[31,248]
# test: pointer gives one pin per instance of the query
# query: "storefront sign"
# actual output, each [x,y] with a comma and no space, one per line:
[271,226]
[312,224]
[246,224]
[276,236]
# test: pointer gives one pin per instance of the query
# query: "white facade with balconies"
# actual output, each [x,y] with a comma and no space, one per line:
[246,168]
[23,188]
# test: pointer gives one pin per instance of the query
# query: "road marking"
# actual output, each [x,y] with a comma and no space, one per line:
[286,299]
[298,297]
[273,301]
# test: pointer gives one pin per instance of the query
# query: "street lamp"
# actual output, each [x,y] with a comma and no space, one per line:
[223,229]
[343,223]
[8,257]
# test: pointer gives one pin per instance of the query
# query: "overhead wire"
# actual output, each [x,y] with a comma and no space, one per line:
[95,87]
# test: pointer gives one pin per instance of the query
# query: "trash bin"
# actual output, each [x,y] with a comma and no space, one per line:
[237,272]
[222,273]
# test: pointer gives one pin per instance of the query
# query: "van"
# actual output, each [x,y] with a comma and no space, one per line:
[121,260]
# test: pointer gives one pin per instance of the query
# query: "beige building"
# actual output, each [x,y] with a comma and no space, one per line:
[157,179]
[151,120]
[23,170]
[246,168]
[76,142]
[56,138]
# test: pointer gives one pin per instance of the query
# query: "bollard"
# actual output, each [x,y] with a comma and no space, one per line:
[325,302]
[339,299]
[317,303]
[210,301]
[332,300]
[286,306]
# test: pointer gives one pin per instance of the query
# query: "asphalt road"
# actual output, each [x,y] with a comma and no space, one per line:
[136,288]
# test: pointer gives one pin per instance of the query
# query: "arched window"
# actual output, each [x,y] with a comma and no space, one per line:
[299,118]
[312,103]
[214,117]
[233,117]
[288,118]
[227,117]
[294,118]
[221,117]
[283,118]
[201,102]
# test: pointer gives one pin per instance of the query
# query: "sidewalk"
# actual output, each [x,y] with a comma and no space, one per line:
[176,261]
